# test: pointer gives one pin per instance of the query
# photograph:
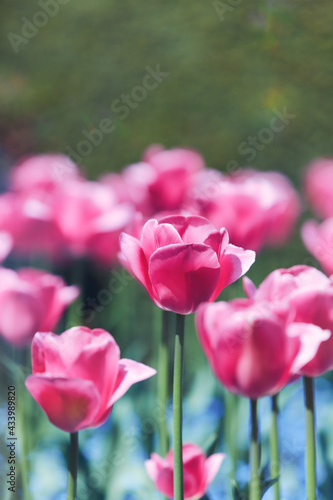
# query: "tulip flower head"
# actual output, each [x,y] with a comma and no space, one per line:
[308,295]
[45,171]
[255,346]
[183,261]
[318,239]
[257,208]
[78,376]
[199,471]
[318,181]
[31,300]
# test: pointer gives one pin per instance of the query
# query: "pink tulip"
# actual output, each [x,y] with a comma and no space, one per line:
[199,471]
[90,220]
[318,182]
[313,315]
[5,245]
[280,284]
[308,295]
[31,300]
[44,171]
[318,239]
[78,376]
[34,231]
[252,347]
[183,261]
[160,182]
[257,208]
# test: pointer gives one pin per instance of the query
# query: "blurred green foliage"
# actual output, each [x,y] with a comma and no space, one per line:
[226,78]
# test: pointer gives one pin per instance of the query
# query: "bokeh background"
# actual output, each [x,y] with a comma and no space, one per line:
[230,68]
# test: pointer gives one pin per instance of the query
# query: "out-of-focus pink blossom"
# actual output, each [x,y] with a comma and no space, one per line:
[161,181]
[318,239]
[308,296]
[183,261]
[44,171]
[252,347]
[31,300]
[257,208]
[78,376]
[318,181]
[90,220]
[199,471]
[29,218]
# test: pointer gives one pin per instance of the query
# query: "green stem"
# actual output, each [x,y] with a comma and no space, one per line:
[274,445]
[254,454]
[311,483]
[73,466]
[178,481]
[163,381]
[23,419]
[231,428]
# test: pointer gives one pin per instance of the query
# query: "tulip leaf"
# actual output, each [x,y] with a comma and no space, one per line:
[267,484]
[236,494]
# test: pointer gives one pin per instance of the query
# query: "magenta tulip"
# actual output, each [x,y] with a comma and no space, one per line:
[31,300]
[308,295]
[280,284]
[255,346]
[183,261]
[257,208]
[199,471]
[34,231]
[318,239]
[159,182]
[90,220]
[318,182]
[78,376]
[45,171]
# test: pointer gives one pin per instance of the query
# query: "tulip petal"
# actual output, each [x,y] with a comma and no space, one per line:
[136,261]
[154,466]
[20,315]
[249,287]
[69,404]
[156,235]
[130,372]
[45,353]
[311,338]
[235,263]
[213,463]
[218,241]
[184,276]
[192,229]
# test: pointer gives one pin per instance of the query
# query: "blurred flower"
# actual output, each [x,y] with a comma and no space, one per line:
[183,261]
[45,171]
[78,376]
[160,182]
[5,245]
[90,220]
[280,284]
[199,471]
[318,239]
[29,218]
[308,295]
[257,208]
[31,300]
[318,182]
[249,347]
[256,346]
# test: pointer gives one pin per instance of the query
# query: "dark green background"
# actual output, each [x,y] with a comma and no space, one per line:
[226,77]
